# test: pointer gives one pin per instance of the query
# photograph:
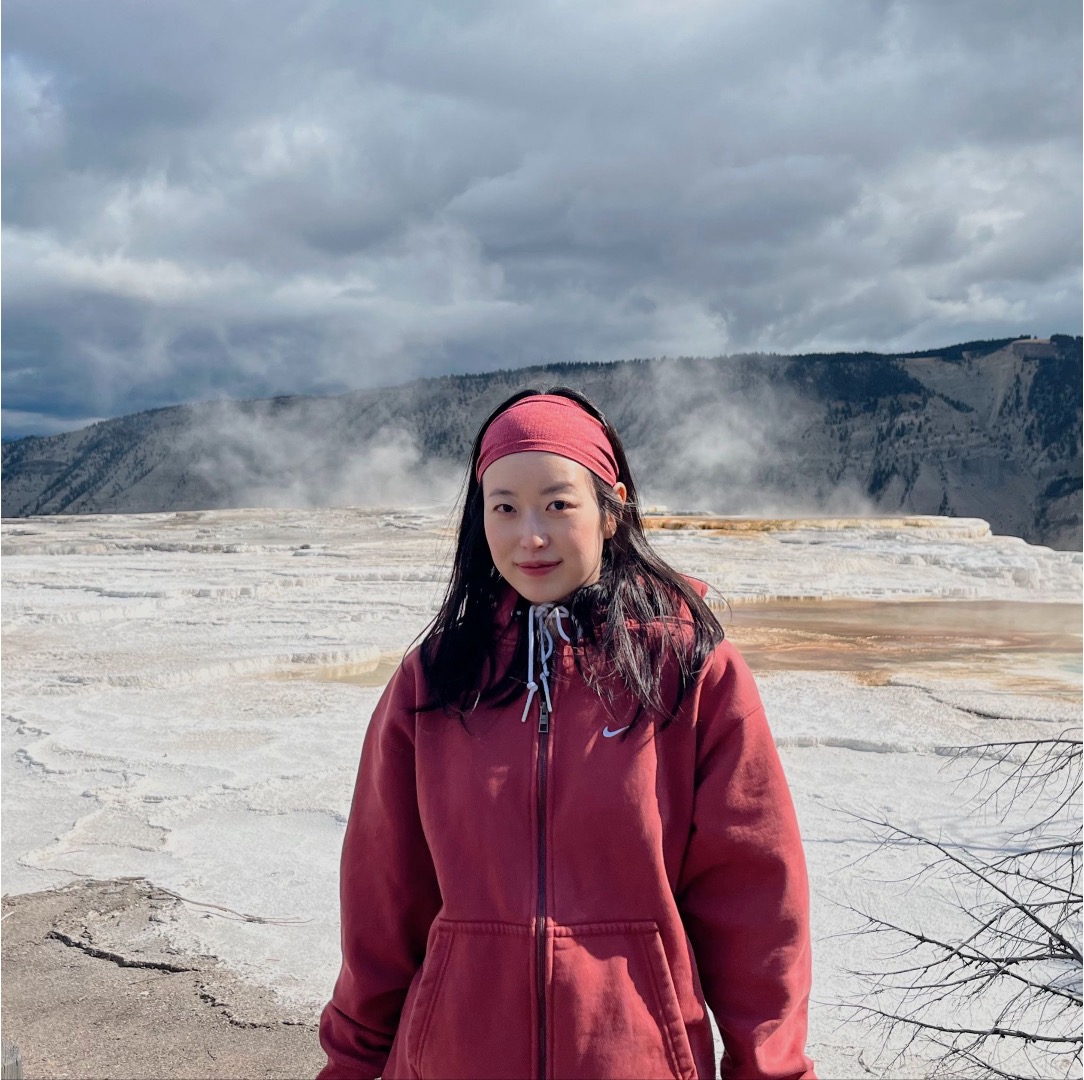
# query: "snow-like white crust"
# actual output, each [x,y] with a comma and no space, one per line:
[175,706]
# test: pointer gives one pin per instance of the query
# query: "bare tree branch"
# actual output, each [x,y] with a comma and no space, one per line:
[1002,997]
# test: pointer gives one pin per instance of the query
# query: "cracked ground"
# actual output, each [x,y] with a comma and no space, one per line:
[90,992]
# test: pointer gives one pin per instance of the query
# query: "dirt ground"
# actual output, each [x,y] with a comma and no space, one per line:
[90,992]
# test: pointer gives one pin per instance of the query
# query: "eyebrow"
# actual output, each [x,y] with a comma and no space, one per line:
[551,490]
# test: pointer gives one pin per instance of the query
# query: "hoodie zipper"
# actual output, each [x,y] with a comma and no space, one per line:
[540,955]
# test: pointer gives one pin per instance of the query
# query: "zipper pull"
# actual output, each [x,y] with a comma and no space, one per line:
[543,718]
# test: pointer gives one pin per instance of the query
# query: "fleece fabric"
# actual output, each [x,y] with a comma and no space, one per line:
[568,902]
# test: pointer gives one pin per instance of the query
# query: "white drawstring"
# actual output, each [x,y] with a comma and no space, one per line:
[537,616]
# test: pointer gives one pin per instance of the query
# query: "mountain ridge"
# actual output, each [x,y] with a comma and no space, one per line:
[979,429]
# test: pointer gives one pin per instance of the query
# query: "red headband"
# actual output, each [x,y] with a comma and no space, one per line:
[554,424]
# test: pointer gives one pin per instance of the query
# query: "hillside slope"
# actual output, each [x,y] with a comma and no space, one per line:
[987,429]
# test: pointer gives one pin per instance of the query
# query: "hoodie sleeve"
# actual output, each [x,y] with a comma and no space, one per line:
[743,892]
[388,892]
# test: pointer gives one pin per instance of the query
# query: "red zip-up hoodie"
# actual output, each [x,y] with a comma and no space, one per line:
[561,902]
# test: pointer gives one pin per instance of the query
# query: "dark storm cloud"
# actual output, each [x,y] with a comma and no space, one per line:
[244,199]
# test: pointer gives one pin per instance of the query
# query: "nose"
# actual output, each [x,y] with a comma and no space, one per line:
[533,536]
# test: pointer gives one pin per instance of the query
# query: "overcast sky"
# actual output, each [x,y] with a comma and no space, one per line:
[240,199]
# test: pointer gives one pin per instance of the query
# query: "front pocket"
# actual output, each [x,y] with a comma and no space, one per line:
[614,1011]
[472,1011]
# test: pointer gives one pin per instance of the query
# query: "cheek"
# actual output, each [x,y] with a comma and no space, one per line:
[501,538]
[588,540]
[491,539]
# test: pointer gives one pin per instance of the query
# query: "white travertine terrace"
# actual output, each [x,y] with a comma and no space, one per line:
[167,710]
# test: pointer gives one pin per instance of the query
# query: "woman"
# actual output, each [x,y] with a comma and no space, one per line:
[570,828]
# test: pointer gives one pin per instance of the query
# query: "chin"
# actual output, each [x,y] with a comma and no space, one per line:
[543,596]
[542,592]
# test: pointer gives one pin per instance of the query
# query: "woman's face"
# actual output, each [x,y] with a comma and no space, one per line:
[543,524]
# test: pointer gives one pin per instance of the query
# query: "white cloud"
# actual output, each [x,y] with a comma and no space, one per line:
[33,115]
[296,196]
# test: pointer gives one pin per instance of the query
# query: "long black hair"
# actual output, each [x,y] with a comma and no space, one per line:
[637,620]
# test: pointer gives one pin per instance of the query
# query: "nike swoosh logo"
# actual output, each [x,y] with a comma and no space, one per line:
[608,734]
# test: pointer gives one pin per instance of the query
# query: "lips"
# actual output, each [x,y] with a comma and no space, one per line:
[537,569]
